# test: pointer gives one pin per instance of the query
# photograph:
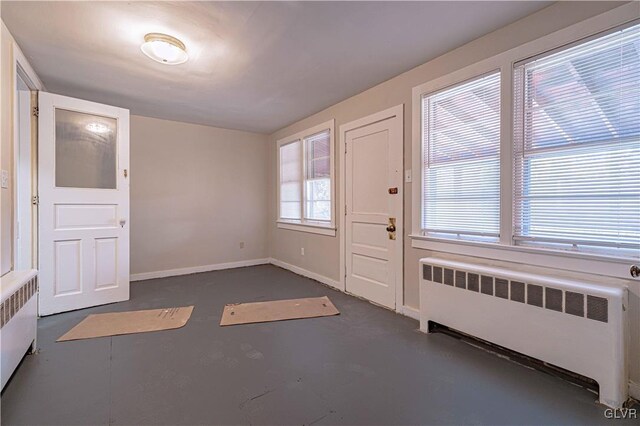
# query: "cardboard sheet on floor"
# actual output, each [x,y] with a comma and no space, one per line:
[277,310]
[116,323]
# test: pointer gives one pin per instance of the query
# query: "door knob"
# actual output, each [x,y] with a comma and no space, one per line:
[391,229]
[122,222]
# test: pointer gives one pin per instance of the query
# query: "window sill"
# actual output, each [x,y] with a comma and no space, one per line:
[308,227]
[559,259]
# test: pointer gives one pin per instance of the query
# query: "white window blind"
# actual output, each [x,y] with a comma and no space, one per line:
[461,160]
[290,157]
[577,146]
[318,177]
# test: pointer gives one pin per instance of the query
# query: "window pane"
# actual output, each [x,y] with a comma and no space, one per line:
[577,146]
[85,150]
[317,155]
[319,199]
[461,147]
[290,181]
[318,177]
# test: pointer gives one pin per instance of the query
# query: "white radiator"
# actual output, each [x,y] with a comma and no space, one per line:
[578,326]
[18,319]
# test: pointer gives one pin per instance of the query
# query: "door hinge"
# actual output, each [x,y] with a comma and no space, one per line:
[345,209]
[36,111]
[35,200]
[345,147]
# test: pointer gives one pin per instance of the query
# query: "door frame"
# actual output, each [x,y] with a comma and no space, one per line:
[25,213]
[393,112]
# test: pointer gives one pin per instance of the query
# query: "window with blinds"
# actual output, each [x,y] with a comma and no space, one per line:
[577,146]
[306,186]
[461,160]
[290,180]
[318,177]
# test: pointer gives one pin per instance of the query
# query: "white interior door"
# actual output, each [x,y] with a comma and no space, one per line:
[374,172]
[83,189]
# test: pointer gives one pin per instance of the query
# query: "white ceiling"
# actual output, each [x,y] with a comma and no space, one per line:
[254,66]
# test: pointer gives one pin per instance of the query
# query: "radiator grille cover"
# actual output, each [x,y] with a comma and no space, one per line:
[437,274]
[574,303]
[534,295]
[461,279]
[472,282]
[597,308]
[553,299]
[502,288]
[517,291]
[486,285]
[546,297]
[448,276]
[426,272]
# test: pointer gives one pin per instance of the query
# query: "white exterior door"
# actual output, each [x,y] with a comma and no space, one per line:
[83,189]
[374,172]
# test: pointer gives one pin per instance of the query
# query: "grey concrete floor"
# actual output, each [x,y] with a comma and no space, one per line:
[366,366]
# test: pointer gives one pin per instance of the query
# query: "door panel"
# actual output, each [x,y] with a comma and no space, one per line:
[373,166]
[73,216]
[106,258]
[369,158]
[83,188]
[68,267]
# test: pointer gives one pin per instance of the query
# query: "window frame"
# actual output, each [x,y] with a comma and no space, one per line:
[303,224]
[468,236]
[505,249]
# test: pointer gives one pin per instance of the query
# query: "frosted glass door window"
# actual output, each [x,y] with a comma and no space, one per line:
[86,154]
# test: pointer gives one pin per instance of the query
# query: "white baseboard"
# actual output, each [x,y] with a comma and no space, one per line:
[410,312]
[195,269]
[634,390]
[305,273]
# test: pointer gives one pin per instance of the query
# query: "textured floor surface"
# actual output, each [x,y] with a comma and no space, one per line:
[365,366]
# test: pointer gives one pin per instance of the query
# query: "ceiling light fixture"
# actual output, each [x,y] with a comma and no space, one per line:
[98,128]
[164,48]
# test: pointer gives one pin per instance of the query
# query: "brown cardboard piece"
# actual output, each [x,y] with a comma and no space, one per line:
[277,310]
[115,323]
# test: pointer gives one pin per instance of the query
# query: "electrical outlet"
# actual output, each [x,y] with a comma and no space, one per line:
[241,244]
[302,251]
[5,179]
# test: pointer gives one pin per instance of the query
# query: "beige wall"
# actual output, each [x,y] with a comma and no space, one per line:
[196,193]
[6,152]
[322,254]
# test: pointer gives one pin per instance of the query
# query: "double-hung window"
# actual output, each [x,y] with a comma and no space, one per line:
[306,187]
[461,160]
[572,181]
[577,147]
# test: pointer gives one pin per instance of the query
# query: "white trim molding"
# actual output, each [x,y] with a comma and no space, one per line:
[410,312]
[197,269]
[29,73]
[306,273]
[24,240]
[407,311]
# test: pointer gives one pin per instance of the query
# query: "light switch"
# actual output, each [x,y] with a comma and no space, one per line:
[407,176]
[5,179]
